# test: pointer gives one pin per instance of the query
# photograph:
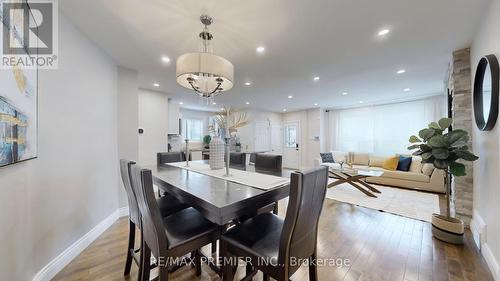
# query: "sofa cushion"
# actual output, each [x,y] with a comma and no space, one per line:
[376,161]
[331,165]
[361,159]
[404,164]
[427,169]
[391,163]
[409,176]
[416,164]
[327,157]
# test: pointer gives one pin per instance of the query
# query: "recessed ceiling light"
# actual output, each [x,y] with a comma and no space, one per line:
[165,59]
[315,104]
[401,71]
[316,78]
[260,49]
[406,89]
[248,83]
[181,103]
[247,103]
[360,101]
[345,93]
[284,109]
[290,97]
[383,32]
[156,84]
[214,103]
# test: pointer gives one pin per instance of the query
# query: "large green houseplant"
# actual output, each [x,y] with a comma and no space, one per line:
[445,149]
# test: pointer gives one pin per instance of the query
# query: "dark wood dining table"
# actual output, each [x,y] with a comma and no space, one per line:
[220,201]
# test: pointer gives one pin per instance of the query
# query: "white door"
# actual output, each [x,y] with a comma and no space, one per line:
[291,148]
[277,139]
[262,141]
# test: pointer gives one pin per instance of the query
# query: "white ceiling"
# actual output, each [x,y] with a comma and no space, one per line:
[334,39]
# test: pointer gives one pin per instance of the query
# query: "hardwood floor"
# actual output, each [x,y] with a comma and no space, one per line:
[376,245]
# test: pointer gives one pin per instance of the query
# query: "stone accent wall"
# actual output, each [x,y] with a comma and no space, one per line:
[460,82]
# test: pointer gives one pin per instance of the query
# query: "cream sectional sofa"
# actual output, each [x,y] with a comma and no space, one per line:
[420,176]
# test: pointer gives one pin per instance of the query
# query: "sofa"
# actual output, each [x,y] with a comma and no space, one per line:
[420,176]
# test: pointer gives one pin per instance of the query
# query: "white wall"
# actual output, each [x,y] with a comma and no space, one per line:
[153,118]
[486,146]
[128,111]
[50,202]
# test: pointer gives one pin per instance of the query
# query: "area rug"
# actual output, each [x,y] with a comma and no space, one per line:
[408,203]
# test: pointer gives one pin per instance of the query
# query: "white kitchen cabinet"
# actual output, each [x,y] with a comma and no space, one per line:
[173,118]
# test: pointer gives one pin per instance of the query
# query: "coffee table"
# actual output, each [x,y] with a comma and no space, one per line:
[354,178]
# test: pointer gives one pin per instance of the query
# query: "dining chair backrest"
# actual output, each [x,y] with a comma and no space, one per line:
[238,160]
[268,163]
[153,231]
[300,229]
[169,157]
[133,208]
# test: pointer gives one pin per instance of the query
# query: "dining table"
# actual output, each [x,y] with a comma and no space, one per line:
[220,200]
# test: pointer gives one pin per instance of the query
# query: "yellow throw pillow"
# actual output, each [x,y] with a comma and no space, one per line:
[391,163]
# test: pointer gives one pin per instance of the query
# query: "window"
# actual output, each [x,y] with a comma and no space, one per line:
[382,129]
[192,129]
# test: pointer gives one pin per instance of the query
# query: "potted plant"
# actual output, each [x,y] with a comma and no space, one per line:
[206,141]
[445,149]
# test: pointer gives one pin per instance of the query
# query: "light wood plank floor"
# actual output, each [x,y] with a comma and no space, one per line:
[379,246]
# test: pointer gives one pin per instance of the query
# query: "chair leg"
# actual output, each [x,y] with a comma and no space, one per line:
[163,272]
[214,247]
[197,262]
[313,270]
[265,277]
[275,210]
[249,269]
[228,268]
[146,262]
[141,256]
[130,249]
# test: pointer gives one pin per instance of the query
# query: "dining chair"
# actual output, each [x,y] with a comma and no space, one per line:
[279,247]
[171,237]
[167,205]
[169,157]
[238,160]
[269,164]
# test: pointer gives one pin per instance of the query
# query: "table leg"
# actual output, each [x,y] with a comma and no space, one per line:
[370,187]
[353,183]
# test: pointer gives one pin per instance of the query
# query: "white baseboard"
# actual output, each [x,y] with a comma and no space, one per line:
[478,229]
[491,261]
[57,264]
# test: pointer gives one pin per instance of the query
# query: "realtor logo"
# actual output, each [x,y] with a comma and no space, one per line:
[29,34]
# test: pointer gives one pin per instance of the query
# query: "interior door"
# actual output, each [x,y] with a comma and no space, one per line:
[291,147]
[277,139]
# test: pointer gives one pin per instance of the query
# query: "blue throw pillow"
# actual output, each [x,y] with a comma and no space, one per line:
[404,164]
[327,157]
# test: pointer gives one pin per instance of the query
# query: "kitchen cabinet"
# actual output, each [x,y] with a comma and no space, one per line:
[173,119]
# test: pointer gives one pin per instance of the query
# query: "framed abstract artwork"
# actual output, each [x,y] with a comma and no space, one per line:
[18,109]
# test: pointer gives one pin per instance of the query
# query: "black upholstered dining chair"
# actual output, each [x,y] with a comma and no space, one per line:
[269,164]
[170,237]
[274,245]
[167,205]
[169,157]
[238,160]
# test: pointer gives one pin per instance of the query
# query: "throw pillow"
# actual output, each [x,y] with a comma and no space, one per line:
[427,169]
[391,163]
[327,157]
[404,164]
[416,164]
